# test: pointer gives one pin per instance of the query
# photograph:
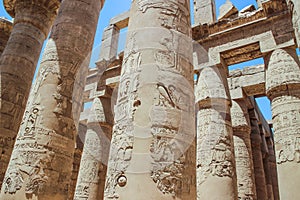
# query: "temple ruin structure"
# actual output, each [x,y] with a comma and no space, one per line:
[162,119]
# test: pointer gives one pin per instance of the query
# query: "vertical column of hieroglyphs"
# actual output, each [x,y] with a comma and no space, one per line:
[283,89]
[256,143]
[41,162]
[152,149]
[32,21]
[243,152]
[92,172]
[5,30]
[215,153]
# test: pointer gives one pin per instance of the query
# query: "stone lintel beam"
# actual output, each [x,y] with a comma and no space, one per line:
[253,37]
[121,21]
[5,30]
[251,80]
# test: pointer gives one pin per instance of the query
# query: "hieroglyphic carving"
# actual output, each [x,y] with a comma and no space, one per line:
[244,166]
[37,177]
[174,14]
[286,127]
[216,158]
[13,182]
[172,97]
[288,148]
[168,165]
[121,147]
[29,121]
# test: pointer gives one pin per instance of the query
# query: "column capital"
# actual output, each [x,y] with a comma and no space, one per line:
[282,73]
[240,118]
[5,26]
[10,5]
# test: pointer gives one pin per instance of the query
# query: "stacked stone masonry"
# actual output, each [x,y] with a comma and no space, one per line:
[167,119]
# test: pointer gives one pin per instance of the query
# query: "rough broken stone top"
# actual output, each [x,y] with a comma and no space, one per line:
[10,4]
[227,10]
[5,25]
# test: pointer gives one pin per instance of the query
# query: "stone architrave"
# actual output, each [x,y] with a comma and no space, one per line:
[41,163]
[283,89]
[215,152]
[92,172]
[152,153]
[256,145]
[32,22]
[243,151]
[5,30]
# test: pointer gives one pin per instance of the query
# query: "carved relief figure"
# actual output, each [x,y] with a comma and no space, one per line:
[13,182]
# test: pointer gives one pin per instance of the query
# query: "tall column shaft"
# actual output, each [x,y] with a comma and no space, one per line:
[268,178]
[215,153]
[32,22]
[256,144]
[5,31]
[46,138]
[273,167]
[152,149]
[92,172]
[243,151]
[283,89]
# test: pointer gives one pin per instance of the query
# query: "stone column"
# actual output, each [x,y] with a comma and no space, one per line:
[243,152]
[204,11]
[5,30]
[256,142]
[283,89]
[41,163]
[152,152]
[32,21]
[109,45]
[82,128]
[215,152]
[92,172]
[273,168]
[5,141]
[267,169]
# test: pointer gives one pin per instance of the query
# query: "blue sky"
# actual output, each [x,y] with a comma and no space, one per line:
[115,7]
